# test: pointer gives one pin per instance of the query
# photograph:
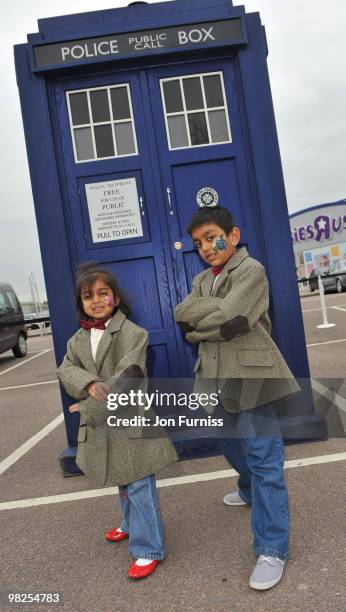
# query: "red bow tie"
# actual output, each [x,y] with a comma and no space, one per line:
[216,271]
[95,323]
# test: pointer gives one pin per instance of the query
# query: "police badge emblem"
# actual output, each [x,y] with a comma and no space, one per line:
[207,196]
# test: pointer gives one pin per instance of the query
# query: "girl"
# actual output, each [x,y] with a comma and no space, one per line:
[111,350]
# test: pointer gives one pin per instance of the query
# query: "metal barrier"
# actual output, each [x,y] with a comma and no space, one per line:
[325,324]
[41,323]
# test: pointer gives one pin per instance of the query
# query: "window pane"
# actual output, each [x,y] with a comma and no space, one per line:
[213,91]
[173,98]
[13,300]
[84,144]
[99,105]
[177,131]
[3,303]
[104,140]
[198,128]
[120,103]
[218,126]
[124,138]
[79,108]
[193,93]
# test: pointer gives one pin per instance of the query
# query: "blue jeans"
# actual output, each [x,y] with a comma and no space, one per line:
[256,452]
[141,519]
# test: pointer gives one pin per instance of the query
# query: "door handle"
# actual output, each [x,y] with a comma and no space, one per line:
[141,206]
[169,201]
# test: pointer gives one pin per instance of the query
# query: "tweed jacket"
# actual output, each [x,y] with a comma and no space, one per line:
[237,355]
[122,454]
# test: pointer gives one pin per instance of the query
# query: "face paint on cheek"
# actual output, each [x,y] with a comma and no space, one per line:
[220,244]
[109,300]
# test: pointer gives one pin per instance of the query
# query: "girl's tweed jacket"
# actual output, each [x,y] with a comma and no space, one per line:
[113,455]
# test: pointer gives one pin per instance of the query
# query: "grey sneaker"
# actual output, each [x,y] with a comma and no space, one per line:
[234,499]
[267,572]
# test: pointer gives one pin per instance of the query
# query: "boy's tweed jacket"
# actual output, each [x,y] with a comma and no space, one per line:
[112,455]
[236,352]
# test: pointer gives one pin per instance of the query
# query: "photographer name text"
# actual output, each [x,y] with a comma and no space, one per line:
[180,421]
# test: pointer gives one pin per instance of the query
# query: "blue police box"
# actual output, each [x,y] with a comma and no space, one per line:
[131,116]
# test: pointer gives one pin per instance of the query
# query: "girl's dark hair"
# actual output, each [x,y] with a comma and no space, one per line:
[218,215]
[87,274]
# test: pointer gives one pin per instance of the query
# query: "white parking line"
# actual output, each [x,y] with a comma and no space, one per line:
[327,342]
[314,309]
[29,444]
[335,308]
[167,482]
[10,354]
[25,361]
[46,382]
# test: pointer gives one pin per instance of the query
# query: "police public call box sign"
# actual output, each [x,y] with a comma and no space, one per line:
[121,45]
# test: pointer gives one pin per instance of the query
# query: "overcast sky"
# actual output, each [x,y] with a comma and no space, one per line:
[307,68]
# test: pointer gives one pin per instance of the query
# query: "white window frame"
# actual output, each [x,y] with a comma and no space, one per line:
[93,124]
[204,110]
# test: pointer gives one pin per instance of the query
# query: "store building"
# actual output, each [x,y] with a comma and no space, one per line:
[319,237]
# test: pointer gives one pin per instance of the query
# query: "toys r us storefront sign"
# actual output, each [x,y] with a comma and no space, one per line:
[319,237]
[321,228]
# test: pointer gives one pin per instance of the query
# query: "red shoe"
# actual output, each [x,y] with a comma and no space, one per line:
[114,535]
[141,571]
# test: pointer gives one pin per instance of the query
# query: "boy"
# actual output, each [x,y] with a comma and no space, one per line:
[227,313]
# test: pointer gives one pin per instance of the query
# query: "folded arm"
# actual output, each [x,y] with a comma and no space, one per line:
[194,308]
[74,378]
[128,375]
[136,355]
[238,311]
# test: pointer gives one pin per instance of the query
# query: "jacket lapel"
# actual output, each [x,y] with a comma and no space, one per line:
[231,264]
[83,350]
[223,276]
[236,259]
[208,280]
[207,284]
[83,347]
[106,340]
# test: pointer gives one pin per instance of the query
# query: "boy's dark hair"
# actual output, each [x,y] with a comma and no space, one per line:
[87,274]
[218,215]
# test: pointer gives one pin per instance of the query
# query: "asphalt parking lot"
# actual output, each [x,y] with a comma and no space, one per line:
[52,527]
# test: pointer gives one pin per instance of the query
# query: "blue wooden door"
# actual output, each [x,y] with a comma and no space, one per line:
[160,138]
[201,141]
[102,143]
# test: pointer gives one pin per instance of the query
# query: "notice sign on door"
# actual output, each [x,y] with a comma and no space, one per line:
[114,210]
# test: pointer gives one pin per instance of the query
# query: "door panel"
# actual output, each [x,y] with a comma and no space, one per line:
[136,258]
[186,170]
